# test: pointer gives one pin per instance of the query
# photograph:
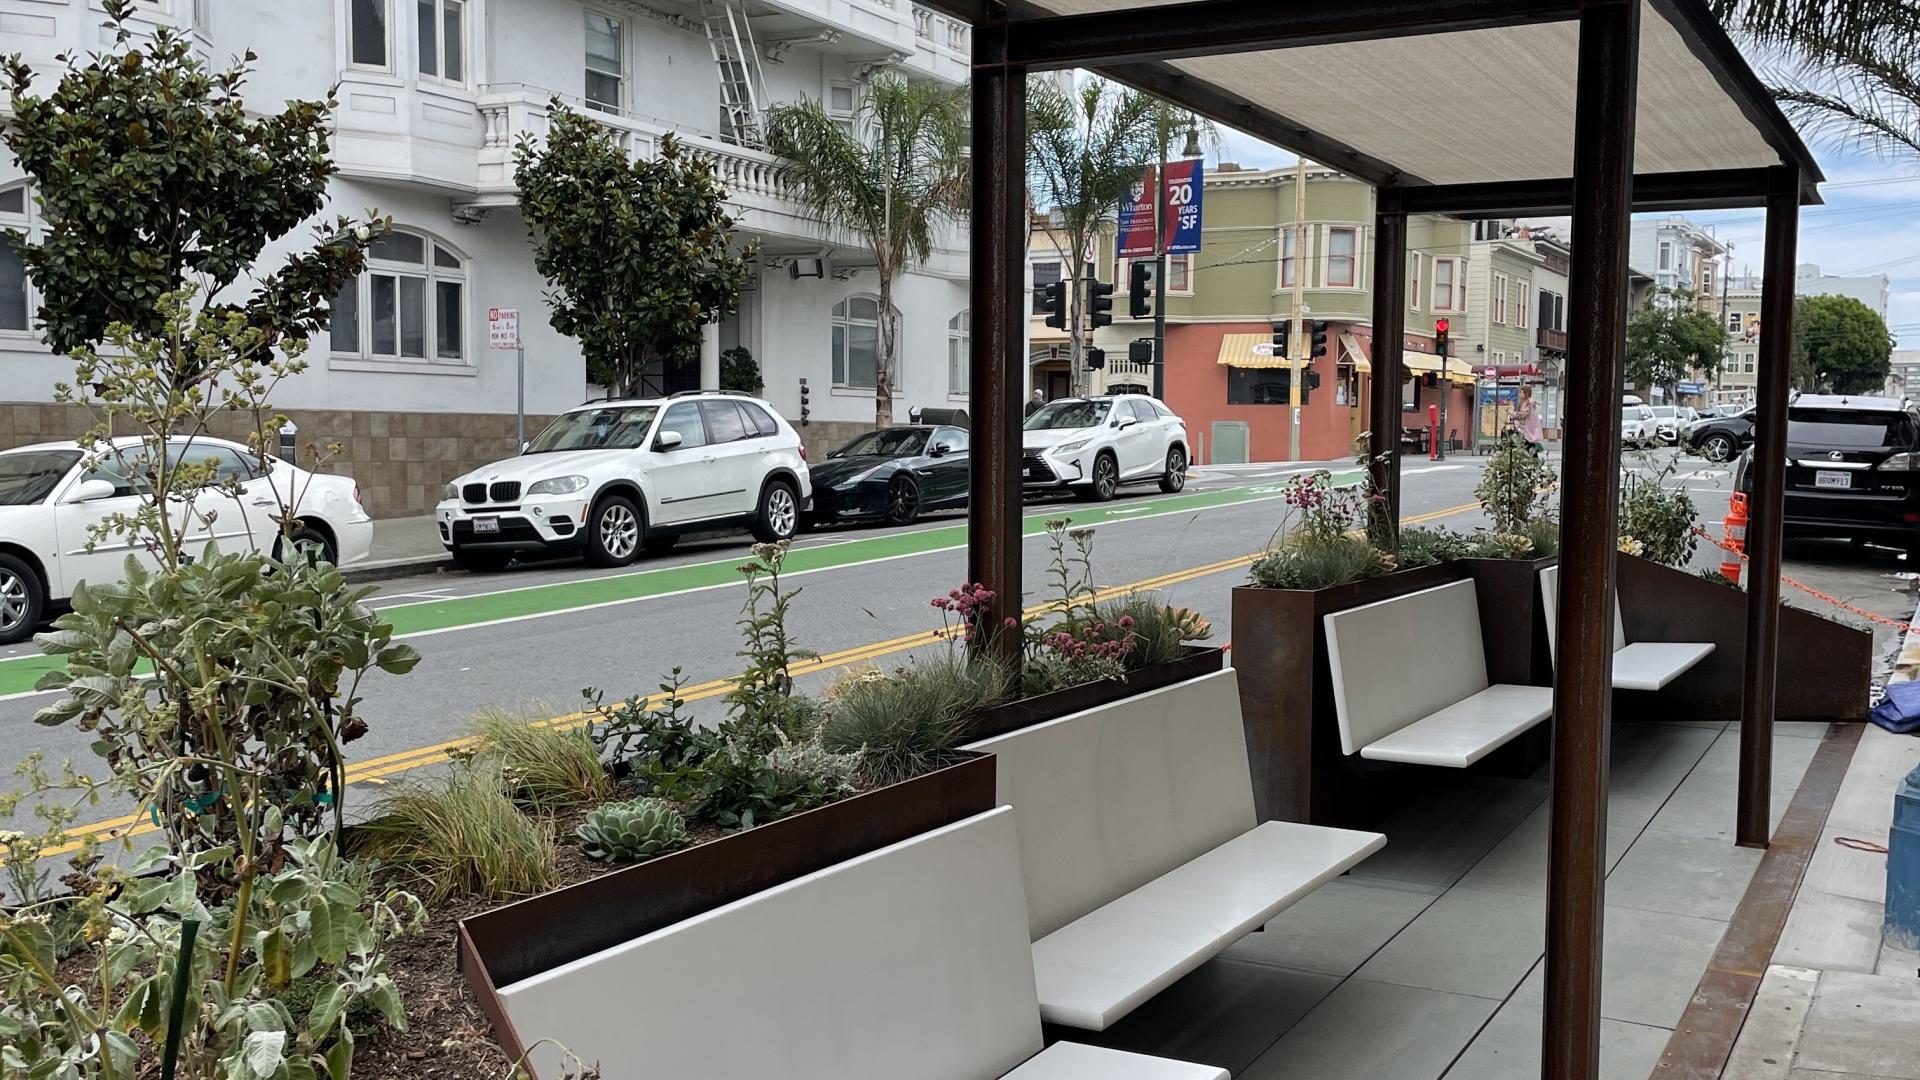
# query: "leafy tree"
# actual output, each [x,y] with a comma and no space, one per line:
[1847,68]
[739,371]
[1669,337]
[1840,345]
[895,176]
[153,174]
[639,253]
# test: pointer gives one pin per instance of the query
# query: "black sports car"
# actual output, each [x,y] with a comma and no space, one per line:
[1720,438]
[895,473]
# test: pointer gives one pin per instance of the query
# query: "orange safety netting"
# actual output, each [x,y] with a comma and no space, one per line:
[1870,616]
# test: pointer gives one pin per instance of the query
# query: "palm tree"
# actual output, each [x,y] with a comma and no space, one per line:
[1849,69]
[891,179]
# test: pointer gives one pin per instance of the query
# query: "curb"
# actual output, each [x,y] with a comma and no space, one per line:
[388,569]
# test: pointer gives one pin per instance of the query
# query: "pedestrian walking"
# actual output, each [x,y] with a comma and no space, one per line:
[1038,399]
[1525,420]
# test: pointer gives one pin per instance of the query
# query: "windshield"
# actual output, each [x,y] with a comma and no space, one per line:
[1851,428]
[1665,412]
[894,442]
[1069,414]
[28,477]
[1630,413]
[616,427]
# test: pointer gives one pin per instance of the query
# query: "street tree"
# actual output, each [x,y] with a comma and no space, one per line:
[153,175]
[1840,346]
[891,178]
[639,252]
[1848,69]
[1669,337]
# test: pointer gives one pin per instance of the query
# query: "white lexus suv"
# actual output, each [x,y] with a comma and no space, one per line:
[612,478]
[1090,446]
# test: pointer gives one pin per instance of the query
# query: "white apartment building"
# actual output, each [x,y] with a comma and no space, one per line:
[434,94]
[1679,255]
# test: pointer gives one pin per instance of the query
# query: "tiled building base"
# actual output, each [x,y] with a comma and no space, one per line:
[400,460]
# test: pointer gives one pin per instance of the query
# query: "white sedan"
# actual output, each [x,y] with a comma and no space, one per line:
[1090,446]
[50,500]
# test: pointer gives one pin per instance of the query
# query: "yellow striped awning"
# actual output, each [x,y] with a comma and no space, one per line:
[1350,353]
[1236,350]
[1458,370]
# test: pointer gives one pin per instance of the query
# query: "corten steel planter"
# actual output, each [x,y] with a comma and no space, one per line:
[1824,670]
[522,939]
[1026,712]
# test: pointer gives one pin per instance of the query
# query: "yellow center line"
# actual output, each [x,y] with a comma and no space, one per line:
[375,769]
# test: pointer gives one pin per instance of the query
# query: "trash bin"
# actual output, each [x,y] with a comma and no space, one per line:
[1903,865]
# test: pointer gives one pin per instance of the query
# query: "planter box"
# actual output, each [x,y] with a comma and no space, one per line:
[1825,669]
[1286,691]
[523,939]
[1025,712]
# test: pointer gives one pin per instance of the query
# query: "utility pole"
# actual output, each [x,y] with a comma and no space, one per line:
[1296,341]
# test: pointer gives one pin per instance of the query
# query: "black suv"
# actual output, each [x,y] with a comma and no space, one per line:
[1719,438]
[1853,470]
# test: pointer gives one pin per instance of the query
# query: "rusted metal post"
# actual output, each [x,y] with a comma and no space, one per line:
[997,267]
[1604,117]
[1389,332]
[1753,814]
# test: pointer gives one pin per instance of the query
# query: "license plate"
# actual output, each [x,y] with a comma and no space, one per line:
[486,525]
[1830,478]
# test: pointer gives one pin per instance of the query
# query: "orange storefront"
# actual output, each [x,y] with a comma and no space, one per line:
[1234,401]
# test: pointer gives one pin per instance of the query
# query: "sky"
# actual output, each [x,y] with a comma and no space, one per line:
[1870,223]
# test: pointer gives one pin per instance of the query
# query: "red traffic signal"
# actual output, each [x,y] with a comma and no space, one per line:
[1440,336]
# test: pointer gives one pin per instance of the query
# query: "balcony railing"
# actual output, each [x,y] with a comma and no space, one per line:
[1551,339]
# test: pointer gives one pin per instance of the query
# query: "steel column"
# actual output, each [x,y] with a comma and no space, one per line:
[1604,116]
[1752,816]
[1389,334]
[996,360]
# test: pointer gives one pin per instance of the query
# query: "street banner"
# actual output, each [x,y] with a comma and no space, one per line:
[1180,198]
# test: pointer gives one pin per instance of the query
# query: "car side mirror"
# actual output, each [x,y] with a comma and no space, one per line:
[1125,422]
[938,449]
[667,440]
[92,491]
[526,446]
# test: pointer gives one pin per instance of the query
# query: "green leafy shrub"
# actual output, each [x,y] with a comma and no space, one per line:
[907,722]
[1302,563]
[460,835]
[1157,633]
[1421,546]
[1515,488]
[1544,533]
[635,735]
[631,831]
[762,698]
[1713,574]
[543,767]
[1659,518]
[739,371]
[739,786]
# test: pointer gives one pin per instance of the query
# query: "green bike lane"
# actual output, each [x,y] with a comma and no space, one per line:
[427,617]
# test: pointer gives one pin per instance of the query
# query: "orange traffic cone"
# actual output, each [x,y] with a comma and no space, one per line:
[1735,529]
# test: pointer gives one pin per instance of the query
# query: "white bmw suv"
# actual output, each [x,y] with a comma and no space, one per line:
[1090,446]
[612,478]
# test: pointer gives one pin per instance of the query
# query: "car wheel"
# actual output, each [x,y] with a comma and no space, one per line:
[481,560]
[779,513]
[1106,480]
[903,501]
[659,543]
[613,532]
[309,541]
[1716,448]
[22,598]
[1175,478]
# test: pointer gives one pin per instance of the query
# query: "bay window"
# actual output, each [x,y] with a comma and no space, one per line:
[409,304]
[1342,260]
[1287,258]
[367,37]
[442,45]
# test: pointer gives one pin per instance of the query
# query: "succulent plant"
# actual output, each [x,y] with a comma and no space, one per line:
[631,831]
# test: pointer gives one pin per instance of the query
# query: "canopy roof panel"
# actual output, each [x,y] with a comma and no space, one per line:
[1424,92]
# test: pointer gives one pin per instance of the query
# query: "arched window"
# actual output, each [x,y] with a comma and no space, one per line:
[16,304]
[957,360]
[856,342]
[410,304]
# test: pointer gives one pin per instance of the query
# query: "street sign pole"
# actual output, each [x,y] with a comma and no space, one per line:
[520,397]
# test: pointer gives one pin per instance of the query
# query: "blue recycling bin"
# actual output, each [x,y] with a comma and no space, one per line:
[1903,865]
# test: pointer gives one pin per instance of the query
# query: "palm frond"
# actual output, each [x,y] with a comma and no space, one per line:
[1816,27]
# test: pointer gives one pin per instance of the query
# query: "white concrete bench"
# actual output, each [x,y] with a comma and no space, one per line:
[911,961]
[1637,665]
[1140,849]
[1410,681]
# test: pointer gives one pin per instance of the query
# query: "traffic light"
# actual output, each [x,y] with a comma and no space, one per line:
[1319,329]
[1102,314]
[1282,333]
[1055,305]
[1440,327]
[1140,351]
[1140,290]
[1096,357]
[805,411]
[1311,382]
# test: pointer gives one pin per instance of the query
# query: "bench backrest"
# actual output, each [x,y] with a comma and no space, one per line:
[1114,797]
[912,960]
[1550,606]
[1395,661]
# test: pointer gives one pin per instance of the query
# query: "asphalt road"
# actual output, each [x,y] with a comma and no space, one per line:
[531,639]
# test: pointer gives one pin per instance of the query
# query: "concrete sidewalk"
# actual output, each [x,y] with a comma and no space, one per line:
[1840,1002]
[401,547]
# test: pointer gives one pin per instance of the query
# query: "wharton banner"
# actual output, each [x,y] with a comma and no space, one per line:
[1180,207]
